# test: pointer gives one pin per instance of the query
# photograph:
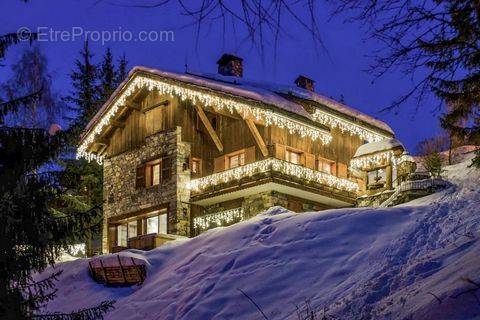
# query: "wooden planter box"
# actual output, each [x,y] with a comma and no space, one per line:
[121,275]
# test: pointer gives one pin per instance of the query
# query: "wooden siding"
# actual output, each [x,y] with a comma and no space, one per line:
[232,130]
[140,124]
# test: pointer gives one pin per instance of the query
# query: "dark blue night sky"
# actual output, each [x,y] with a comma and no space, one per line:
[337,71]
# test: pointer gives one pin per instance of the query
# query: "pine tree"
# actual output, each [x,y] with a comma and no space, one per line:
[122,70]
[107,76]
[33,234]
[437,42]
[82,179]
[83,101]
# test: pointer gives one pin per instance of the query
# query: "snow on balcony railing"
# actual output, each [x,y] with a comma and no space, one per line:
[218,219]
[414,185]
[272,164]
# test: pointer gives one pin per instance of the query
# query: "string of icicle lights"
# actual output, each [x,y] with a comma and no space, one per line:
[270,164]
[269,117]
[365,162]
[332,121]
[218,219]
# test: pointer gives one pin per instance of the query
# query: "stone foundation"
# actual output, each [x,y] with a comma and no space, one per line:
[122,197]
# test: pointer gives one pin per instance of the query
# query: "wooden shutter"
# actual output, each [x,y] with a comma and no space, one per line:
[250,155]
[219,164]
[279,151]
[166,168]
[140,176]
[342,170]
[310,161]
[334,168]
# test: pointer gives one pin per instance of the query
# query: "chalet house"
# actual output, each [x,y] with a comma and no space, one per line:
[186,152]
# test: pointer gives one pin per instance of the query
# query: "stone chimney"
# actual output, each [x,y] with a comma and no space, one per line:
[230,65]
[305,83]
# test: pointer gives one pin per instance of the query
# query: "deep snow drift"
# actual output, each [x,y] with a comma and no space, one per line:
[412,261]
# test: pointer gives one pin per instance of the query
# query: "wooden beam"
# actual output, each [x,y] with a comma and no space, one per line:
[257,136]
[208,126]
[156,105]
[117,124]
[102,149]
[133,105]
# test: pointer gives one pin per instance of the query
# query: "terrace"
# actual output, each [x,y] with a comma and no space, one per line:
[274,174]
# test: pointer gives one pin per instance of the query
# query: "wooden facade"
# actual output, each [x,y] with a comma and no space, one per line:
[233,132]
[213,141]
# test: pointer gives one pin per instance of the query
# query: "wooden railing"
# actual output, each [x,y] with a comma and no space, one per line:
[143,242]
[273,165]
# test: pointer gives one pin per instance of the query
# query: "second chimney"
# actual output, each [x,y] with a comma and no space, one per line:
[230,65]
[305,83]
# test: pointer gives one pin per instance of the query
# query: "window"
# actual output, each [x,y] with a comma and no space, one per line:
[132,229]
[157,224]
[376,178]
[155,174]
[122,235]
[292,156]
[196,166]
[324,166]
[152,224]
[236,160]
[163,223]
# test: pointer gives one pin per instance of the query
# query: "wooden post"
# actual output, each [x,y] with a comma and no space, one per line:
[388,177]
[365,181]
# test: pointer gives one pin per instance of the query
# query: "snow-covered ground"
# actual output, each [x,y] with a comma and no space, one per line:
[412,261]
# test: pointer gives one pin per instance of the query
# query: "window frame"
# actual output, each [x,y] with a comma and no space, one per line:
[321,160]
[144,174]
[198,163]
[382,181]
[152,168]
[300,153]
[238,154]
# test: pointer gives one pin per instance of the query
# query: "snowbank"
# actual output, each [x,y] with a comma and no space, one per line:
[395,263]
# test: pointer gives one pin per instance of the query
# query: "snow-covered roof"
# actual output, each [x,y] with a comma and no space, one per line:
[270,94]
[374,147]
[298,93]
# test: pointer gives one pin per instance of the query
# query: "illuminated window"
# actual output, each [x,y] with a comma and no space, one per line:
[157,224]
[292,156]
[163,223]
[132,229]
[122,235]
[236,160]
[196,166]
[376,178]
[324,166]
[152,224]
[155,172]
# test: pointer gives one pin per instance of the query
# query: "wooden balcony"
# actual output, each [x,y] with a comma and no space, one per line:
[270,173]
[147,242]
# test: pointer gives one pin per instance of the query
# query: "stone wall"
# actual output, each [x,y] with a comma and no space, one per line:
[122,197]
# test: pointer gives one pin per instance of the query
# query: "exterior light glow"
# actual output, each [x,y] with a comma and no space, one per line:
[219,218]
[365,162]
[208,99]
[332,121]
[272,164]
